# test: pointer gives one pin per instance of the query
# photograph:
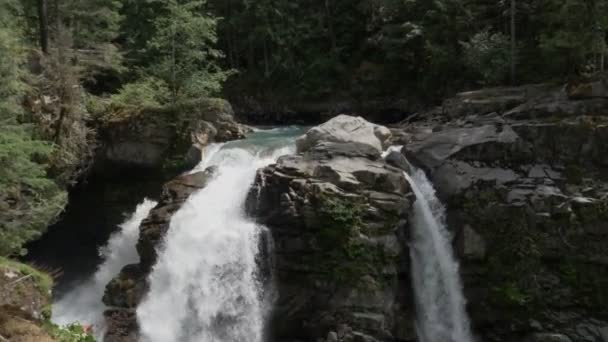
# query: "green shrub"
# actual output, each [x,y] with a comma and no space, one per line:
[70,333]
[487,55]
[146,92]
[43,281]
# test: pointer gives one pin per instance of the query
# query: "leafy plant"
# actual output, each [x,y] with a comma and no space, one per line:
[70,333]
[146,92]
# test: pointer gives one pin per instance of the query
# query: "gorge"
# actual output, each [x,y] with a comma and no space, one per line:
[330,234]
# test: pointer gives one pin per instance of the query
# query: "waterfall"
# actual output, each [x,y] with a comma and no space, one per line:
[83,304]
[440,303]
[205,286]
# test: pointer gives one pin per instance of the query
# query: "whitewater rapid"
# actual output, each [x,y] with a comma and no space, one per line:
[440,303]
[83,304]
[205,286]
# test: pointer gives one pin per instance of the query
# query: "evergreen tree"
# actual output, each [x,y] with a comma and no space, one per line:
[29,200]
[181,52]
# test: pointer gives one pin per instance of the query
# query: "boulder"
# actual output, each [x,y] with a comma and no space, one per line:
[153,138]
[338,216]
[346,129]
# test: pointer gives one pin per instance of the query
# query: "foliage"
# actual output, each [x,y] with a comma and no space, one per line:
[146,92]
[29,200]
[344,258]
[182,50]
[69,333]
[487,54]
[43,281]
[511,294]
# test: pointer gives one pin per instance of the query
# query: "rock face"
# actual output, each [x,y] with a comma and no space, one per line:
[344,128]
[337,213]
[24,303]
[526,195]
[157,137]
[126,290]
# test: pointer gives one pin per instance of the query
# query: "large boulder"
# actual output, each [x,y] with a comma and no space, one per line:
[124,293]
[346,129]
[160,138]
[338,216]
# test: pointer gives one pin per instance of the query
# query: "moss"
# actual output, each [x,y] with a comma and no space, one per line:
[510,294]
[588,283]
[43,281]
[514,255]
[344,257]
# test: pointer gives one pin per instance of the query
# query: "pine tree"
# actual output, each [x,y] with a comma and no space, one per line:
[183,50]
[29,200]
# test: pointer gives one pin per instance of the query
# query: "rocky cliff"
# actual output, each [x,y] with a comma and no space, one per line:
[523,175]
[164,138]
[338,215]
[522,172]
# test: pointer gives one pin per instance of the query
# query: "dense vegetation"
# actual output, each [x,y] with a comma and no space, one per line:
[64,63]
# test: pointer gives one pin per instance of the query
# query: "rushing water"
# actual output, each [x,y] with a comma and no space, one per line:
[83,304]
[440,303]
[204,287]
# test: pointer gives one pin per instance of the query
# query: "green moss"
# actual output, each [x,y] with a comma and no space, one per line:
[344,257]
[514,256]
[510,294]
[43,281]
[588,283]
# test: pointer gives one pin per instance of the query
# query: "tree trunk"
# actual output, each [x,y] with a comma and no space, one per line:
[44,26]
[173,64]
[513,42]
[330,28]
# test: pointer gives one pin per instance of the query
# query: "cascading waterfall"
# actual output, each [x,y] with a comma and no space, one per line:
[205,286]
[83,304]
[440,303]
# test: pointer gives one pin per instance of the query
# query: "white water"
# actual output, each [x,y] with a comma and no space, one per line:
[440,303]
[83,304]
[204,287]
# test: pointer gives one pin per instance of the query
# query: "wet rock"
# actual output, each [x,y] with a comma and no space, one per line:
[523,189]
[397,159]
[152,137]
[124,293]
[121,325]
[338,216]
[346,129]
[472,246]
